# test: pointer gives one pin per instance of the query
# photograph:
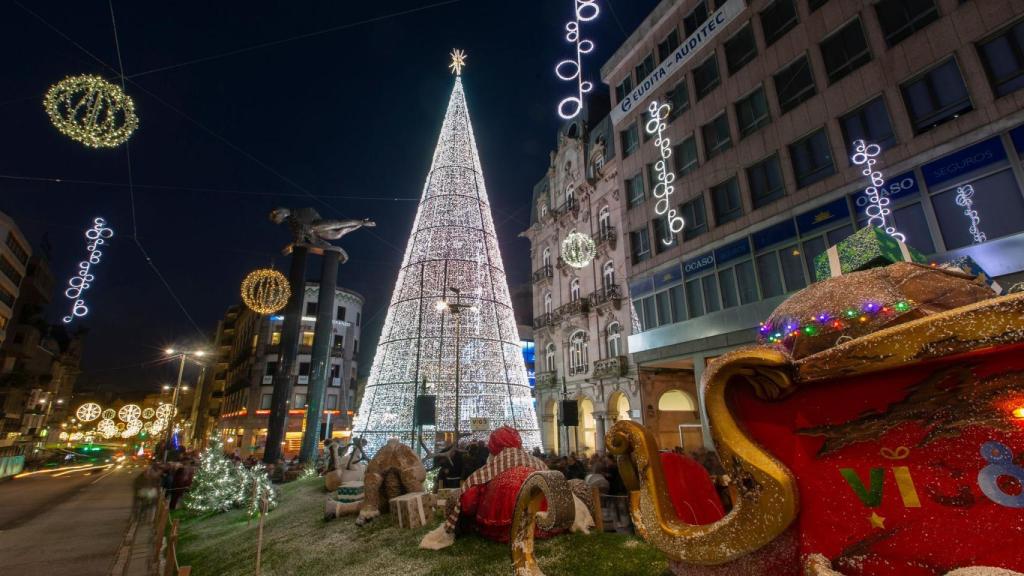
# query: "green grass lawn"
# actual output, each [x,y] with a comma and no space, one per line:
[297,541]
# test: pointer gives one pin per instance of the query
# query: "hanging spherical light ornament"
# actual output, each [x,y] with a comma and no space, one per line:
[147,414]
[109,414]
[165,411]
[265,291]
[91,110]
[578,250]
[88,412]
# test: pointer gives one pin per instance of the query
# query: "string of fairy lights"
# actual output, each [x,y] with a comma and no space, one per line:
[664,189]
[877,210]
[83,279]
[571,70]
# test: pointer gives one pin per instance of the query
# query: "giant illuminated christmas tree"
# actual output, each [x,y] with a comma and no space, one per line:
[449,331]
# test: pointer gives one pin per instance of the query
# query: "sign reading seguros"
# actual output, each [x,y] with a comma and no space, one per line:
[686,51]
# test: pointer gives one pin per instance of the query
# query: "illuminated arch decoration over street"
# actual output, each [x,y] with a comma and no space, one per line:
[572,69]
[82,281]
[91,110]
[664,189]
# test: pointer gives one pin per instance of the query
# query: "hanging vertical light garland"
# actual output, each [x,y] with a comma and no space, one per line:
[877,210]
[97,236]
[663,189]
[965,199]
[572,69]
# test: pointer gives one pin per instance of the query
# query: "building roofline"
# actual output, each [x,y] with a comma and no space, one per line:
[634,40]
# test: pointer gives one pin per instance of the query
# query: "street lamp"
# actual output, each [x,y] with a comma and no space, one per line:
[182,356]
[456,309]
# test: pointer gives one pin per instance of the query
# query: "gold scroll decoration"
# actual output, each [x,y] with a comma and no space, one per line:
[766,501]
[561,513]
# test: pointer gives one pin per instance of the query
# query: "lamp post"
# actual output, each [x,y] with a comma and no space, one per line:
[456,309]
[182,356]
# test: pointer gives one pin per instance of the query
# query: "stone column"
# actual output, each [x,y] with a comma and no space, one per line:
[288,352]
[599,418]
[323,337]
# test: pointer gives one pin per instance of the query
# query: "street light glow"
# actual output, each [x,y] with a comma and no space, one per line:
[169,351]
[441,306]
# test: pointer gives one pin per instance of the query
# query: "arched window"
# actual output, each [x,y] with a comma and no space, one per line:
[570,195]
[604,220]
[547,303]
[545,259]
[549,357]
[614,340]
[578,357]
[676,401]
[608,274]
[574,290]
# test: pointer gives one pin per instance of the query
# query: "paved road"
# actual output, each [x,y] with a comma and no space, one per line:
[69,524]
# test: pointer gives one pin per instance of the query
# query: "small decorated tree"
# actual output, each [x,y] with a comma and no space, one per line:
[259,487]
[219,483]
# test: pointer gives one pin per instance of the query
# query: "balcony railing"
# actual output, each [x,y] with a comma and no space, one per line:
[606,236]
[579,306]
[611,367]
[547,379]
[542,273]
[547,319]
[567,206]
[610,293]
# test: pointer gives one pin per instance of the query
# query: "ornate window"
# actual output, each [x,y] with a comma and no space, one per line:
[608,274]
[545,259]
[578,353]
[574,290]
[604,220]
[614,340]
[549,357]
[547,303]
[570,196]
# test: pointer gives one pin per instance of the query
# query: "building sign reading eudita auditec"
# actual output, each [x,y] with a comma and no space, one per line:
[689,48]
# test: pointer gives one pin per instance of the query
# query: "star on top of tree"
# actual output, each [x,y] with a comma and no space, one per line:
[458,61]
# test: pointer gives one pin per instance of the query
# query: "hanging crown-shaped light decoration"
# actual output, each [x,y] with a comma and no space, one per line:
[578,250]
[265,291]
[91,110]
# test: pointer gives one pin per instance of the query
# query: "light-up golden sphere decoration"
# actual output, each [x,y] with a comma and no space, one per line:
[578,250]
[265,291]
[91,110]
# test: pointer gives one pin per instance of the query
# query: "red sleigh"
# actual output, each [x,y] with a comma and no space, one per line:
[879,432]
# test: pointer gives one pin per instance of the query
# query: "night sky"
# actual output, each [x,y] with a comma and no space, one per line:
[246,106]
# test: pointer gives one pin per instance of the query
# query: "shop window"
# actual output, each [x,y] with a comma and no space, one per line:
[740,49]
[726,201]
[997,200]
[765,179]
[678,298]
[664,309]
[709,284]
[936,97]
[845,51]
[812,159]
[717,138]
[695,218]
[777,19]
[870,123]
[706,77]
[769,274]
[752,112]
[794,84]
[694,298]
[900,19]
[685,156]
[792,268]
[1003,57]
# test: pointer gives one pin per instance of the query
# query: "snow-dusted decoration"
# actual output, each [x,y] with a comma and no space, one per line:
[663,189]
[578,250]
[80,282]
[88,412]
[453,245]
[965,199]
[572,69]
[877,210]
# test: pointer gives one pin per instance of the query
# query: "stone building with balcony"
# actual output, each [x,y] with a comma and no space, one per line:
[768,98]
[249,356]
[582,315]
